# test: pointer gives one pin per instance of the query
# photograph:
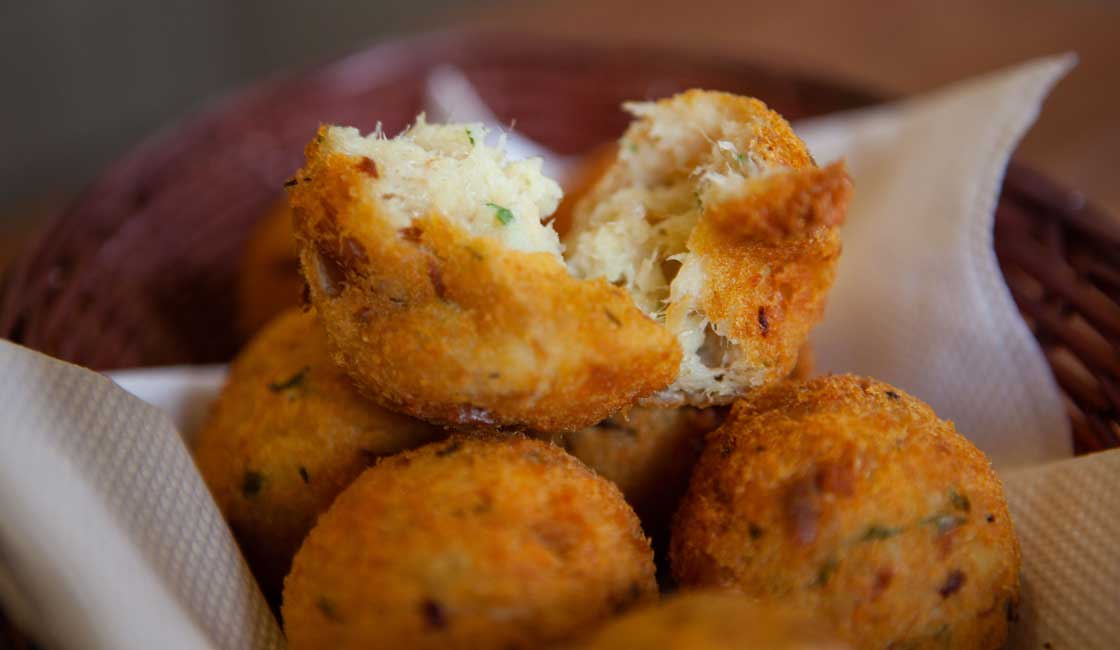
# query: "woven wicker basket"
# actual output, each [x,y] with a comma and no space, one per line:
[140,269]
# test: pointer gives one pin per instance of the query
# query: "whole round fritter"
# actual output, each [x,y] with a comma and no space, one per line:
[648,453]
[286,435]
[474,542]
[849,497]
[709,620]
[269,282]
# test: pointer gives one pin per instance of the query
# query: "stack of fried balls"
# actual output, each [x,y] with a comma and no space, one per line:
[495,403]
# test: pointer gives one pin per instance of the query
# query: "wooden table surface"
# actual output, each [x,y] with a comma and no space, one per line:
[897,47]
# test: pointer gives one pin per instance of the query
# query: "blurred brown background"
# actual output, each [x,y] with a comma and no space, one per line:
[84,81]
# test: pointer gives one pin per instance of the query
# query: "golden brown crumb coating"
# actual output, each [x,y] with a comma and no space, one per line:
[769,260]
[474,542]
[710,620]
[464,318]
[269,281]
[851,498]
[716,219]
[648,453]
[286,435]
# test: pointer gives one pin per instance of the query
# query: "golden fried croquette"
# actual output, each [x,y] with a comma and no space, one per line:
[648,453]
[475,542]
[851,498]
[709,620]
[286,435]
[269,282]
[716,220]
[446,297]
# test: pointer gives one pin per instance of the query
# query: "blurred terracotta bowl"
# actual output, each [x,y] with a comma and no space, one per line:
[142,268]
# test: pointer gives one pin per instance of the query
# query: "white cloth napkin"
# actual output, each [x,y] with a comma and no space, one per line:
[1067,517]
[919,299]
[108,538]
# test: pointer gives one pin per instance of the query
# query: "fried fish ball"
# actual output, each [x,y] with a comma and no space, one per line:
[717,221]
[710,620]
[851,498]
[286,435]
[269,282]
[648,453]
[475,542]
[445,296]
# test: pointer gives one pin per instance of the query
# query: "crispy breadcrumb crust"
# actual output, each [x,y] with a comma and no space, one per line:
[457,329]
[648,453]
[850,497]
[269,281]
[712,620]
[474,542]
[287,433]
[769,259]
